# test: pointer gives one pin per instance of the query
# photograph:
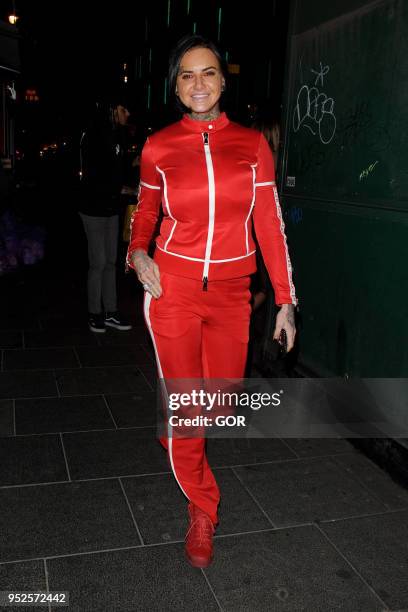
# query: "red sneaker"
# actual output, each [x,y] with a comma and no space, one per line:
[199,538]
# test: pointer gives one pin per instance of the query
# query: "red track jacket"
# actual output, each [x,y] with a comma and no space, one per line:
[211,177]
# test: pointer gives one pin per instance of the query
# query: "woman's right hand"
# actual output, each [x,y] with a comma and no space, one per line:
[147,272]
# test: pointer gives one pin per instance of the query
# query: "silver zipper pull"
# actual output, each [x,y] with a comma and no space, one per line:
[205,138]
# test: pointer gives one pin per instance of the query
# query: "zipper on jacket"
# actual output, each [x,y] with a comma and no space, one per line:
[211,208]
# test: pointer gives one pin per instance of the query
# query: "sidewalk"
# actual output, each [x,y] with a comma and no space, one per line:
[87,504]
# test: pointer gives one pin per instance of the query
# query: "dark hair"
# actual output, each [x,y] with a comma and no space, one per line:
[108,97]
[191,41]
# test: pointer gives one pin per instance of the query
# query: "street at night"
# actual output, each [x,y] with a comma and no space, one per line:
[200,194]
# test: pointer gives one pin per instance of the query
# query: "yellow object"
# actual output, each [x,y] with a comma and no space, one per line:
[126,224]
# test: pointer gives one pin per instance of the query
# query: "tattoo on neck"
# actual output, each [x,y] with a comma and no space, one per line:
[214,114]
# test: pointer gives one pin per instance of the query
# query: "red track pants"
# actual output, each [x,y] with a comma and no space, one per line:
[198,334]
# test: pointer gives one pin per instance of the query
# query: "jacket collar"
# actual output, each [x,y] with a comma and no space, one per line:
[204,126]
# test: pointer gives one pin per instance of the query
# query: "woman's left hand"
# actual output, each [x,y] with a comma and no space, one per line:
[285,319]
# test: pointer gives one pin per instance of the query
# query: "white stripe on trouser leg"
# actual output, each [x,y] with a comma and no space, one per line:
[147,302]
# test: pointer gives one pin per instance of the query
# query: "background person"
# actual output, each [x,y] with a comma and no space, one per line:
[209,175]
[103,159]
[267,123]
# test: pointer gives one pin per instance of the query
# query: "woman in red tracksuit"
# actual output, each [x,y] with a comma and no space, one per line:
[210,176]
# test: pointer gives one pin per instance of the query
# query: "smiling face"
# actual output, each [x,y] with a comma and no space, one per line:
[200,81]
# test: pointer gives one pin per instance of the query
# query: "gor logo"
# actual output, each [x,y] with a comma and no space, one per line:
[290,181]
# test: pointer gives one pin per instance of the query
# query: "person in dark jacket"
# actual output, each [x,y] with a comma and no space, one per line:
[102,157]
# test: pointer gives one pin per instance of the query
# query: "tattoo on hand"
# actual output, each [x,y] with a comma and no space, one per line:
[290,314]
[291,317]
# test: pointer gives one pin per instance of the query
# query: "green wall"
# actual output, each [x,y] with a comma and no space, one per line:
[345,184]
